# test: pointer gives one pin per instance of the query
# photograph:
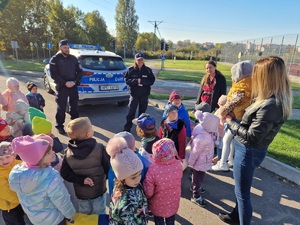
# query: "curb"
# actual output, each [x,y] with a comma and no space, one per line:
[281,169]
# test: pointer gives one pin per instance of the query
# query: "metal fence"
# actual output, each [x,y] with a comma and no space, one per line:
[287,47]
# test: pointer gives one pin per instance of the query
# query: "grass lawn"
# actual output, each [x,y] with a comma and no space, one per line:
[24,65]
[296,102]
[284,147]
[166,96]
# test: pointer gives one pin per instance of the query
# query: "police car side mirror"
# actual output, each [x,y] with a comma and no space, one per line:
[46,61]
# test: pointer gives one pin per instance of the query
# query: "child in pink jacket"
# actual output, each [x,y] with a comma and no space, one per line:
[13,93]
[161,186]
[204,138]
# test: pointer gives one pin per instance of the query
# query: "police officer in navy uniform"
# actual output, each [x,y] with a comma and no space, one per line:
[66,72]
[139,78]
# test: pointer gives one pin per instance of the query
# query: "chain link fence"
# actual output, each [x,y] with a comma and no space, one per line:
[287,47]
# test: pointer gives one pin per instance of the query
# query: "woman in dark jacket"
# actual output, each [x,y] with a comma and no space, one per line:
[271,96]
[212,86]
[139,78]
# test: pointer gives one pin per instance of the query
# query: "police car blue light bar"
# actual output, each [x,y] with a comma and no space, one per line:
[83,46]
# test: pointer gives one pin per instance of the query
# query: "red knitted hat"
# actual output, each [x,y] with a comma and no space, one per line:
[174,95]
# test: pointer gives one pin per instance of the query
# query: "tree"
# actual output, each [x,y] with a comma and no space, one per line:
[96,29]
[126,23]
[145,41]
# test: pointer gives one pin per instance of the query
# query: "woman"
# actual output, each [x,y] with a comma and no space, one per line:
[271,97]
[212,86]
[139,78]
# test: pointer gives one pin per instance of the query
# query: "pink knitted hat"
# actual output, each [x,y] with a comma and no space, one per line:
[123,160]
[30,150]
[44,137]
[164,150]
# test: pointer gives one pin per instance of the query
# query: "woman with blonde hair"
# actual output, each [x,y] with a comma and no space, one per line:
[271,107]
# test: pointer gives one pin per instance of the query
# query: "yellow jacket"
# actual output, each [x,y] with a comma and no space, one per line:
[238,98]
[83,219]
[8,198]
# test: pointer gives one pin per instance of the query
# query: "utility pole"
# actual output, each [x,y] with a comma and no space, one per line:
[155,23]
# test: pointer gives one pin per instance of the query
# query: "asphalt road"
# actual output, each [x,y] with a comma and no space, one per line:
[275,201]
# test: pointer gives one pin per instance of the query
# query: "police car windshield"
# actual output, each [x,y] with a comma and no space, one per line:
[102,63]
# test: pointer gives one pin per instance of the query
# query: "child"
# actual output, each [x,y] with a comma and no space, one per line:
[131,144]
[39,187]
[163,189]
[86,165]
[204,138]
[183,114]
[238,99]
[129,203]
[34,98]
[5,131]
[174,128]
[43,126]
[12,211]
[147,131]
[18,118]
[33,112]
[13,93]
[221,102]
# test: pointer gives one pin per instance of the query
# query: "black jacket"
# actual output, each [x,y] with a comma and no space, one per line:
[63,69]
[259,125]
[220,88]
[147,79]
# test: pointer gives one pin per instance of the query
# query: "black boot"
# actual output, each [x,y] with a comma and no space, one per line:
[229,218]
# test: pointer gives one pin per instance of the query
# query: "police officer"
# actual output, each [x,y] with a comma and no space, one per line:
[66,72]
[139,78]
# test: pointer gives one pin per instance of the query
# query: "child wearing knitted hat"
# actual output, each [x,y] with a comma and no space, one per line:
[174,128]
[183,114]
[129,203]
[146,129]
[131,144]
[86,165]
[238,99]
[5,131]
[204,138]
[39,187]
[18,118]
[162,185]
[13,93]
[34,98]
[12,211]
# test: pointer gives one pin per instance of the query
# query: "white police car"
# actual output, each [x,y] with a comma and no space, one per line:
[103,78]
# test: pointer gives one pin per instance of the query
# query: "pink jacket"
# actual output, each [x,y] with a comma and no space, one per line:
[202,150]
[162,187]
[12,97]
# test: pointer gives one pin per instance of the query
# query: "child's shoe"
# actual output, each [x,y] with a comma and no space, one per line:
[199,201]
[220,167]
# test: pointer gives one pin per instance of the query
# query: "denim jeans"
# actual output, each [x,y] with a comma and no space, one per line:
[93,206]
[246,159]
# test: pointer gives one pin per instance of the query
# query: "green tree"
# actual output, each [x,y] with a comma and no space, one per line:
[145,42]
[126,23]
[96,29]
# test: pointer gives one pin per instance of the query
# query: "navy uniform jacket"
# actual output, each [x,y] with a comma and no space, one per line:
[64,69]
[147,79]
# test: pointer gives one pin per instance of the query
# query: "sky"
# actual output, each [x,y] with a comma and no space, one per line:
[216,21]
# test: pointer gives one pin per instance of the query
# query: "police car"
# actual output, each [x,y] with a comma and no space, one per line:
[103,78]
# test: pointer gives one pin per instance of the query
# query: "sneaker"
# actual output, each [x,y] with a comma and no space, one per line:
[220,167]
[199,201]
[61,130]
[227,218]
[202,190]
